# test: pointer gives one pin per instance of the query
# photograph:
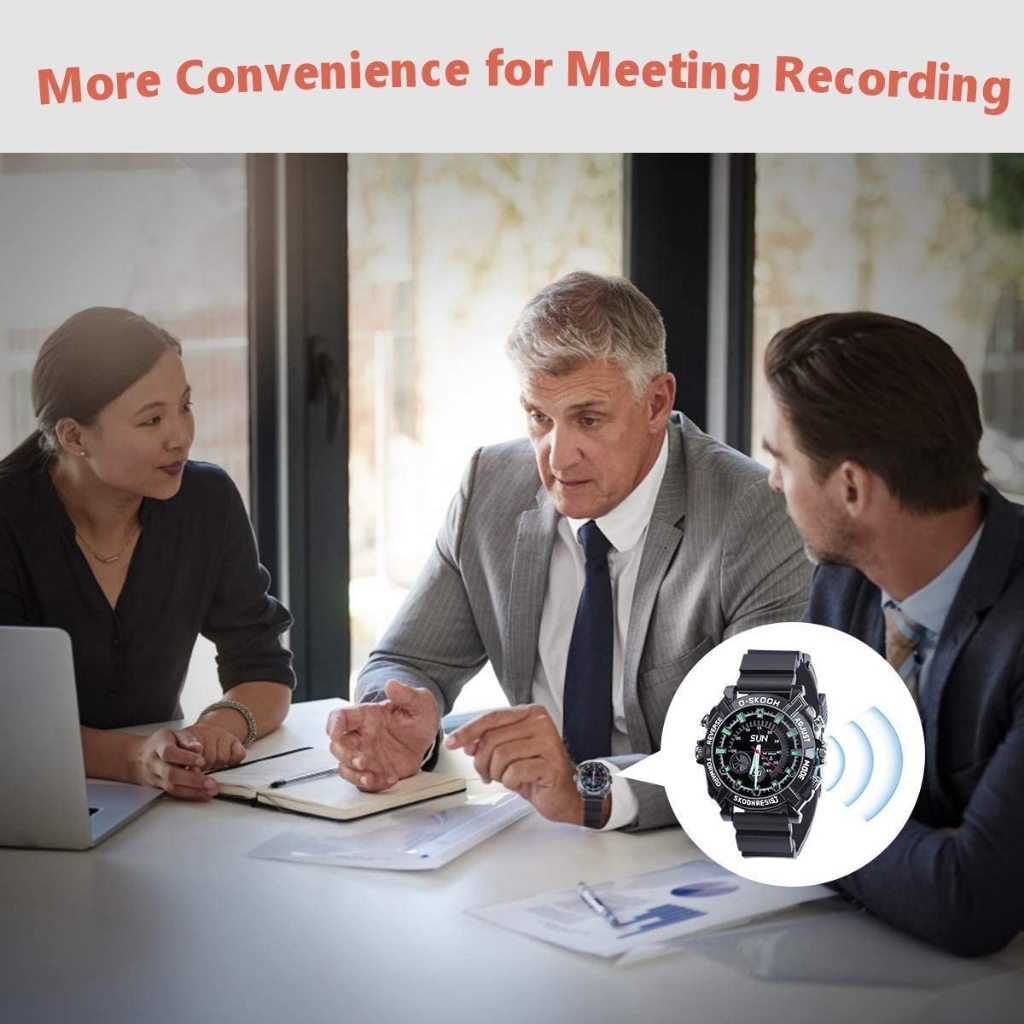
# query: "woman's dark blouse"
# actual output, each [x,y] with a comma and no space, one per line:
[194,570]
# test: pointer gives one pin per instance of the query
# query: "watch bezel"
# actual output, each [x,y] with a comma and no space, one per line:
[794,796]
[600,791]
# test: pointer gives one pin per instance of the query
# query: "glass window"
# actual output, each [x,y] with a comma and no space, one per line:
[159,234]
[937,239]
[444,251]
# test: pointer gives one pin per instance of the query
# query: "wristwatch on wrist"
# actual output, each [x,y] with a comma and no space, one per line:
[762,752]
[593,783]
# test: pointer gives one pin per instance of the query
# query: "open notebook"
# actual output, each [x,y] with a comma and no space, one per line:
[329,797]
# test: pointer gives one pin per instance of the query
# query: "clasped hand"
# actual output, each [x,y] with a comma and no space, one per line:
[175,759]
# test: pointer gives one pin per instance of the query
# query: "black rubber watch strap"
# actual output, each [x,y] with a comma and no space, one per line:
[767,834]
[777,672]
[592,807]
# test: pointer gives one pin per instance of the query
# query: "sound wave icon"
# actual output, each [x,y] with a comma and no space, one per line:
[865,762]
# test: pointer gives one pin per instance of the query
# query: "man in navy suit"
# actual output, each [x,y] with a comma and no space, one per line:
[873,425]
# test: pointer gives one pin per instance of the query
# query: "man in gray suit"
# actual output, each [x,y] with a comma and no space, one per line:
[592,590]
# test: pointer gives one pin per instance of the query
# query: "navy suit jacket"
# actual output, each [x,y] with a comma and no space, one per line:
[961,889]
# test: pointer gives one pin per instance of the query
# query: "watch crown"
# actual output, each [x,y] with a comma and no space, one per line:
[698,752]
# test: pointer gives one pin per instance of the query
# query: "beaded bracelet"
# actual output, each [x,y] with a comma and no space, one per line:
[250,721]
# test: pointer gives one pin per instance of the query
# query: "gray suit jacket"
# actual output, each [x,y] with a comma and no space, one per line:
[720,556]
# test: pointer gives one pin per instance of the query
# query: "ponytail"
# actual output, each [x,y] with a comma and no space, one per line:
[27,457]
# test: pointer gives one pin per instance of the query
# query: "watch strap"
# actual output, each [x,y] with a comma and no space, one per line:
[777,672]
[592,808]
[772,834]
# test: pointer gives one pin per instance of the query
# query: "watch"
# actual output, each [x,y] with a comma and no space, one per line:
[593,783]
[762,752]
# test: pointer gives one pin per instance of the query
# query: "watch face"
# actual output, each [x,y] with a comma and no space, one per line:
[593,778]
[758,751]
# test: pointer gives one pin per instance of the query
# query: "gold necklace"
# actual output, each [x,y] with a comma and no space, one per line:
[109,560]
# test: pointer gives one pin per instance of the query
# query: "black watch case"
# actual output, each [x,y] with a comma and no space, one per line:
[593,779]
[790,730]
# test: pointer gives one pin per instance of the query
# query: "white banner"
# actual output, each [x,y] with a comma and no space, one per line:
[534,76]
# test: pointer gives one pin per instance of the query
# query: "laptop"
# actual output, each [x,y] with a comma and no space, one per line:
[45,800]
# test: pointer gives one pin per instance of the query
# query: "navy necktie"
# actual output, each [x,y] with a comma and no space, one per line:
[587,700]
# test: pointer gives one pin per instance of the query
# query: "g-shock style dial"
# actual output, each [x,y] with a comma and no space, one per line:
[759,751]
[762,752]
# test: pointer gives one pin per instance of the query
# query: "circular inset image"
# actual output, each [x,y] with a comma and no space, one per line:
[792,754]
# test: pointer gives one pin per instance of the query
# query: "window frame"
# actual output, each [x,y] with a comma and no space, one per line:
[688,244]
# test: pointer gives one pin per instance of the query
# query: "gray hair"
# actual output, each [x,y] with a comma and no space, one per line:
[583,317]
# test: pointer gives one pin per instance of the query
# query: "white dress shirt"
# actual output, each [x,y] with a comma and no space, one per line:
[625,526]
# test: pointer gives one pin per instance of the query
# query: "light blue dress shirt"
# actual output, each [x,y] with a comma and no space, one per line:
[930,606]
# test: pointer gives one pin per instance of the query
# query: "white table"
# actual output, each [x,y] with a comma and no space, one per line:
[169,921]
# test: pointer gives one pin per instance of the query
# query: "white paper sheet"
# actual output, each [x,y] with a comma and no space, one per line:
[417,839]
[653,908]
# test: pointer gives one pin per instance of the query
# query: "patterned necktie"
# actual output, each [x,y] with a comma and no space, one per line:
[587,699]
[902,637]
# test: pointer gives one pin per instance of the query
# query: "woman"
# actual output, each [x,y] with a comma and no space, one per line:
[108,532]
